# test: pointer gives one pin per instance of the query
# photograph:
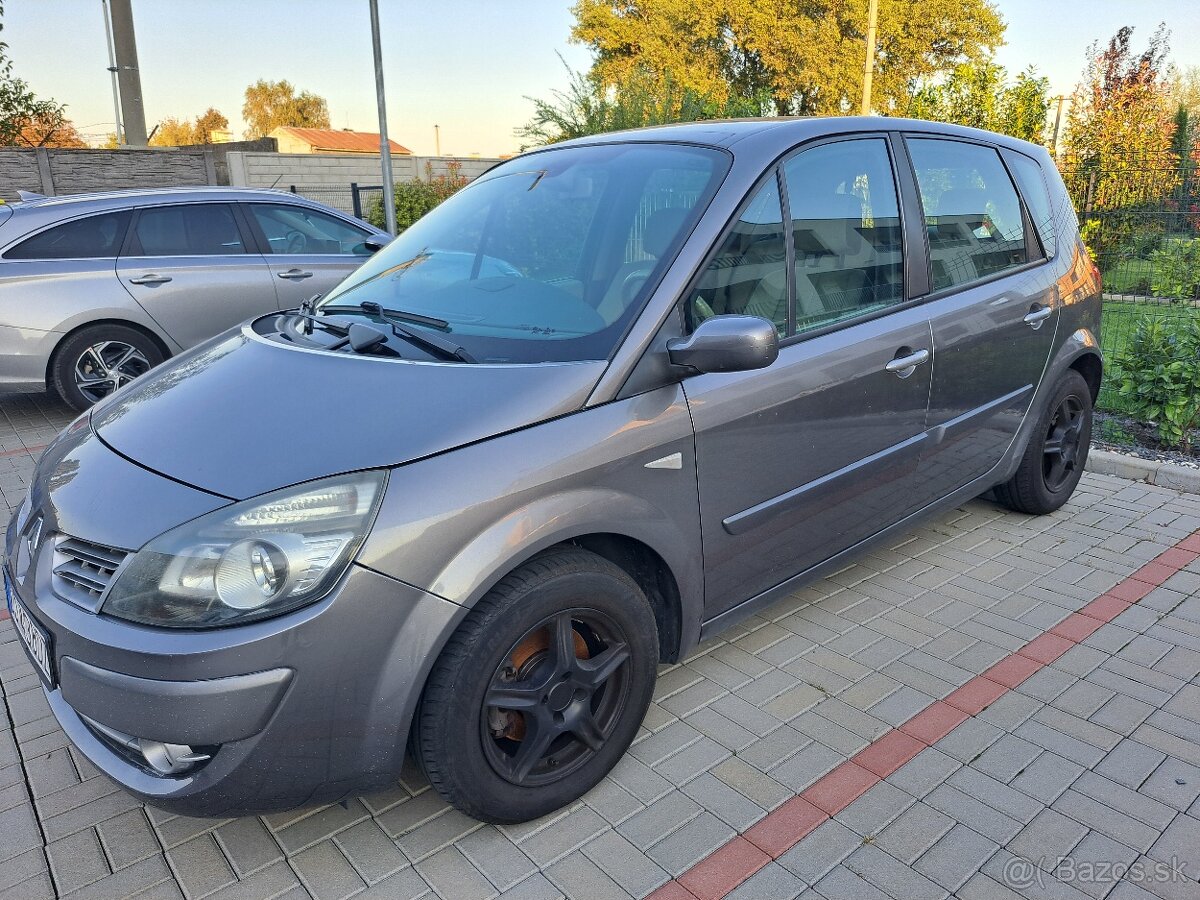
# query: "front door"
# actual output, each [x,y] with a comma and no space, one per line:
[189,267]
[308,251]
[809,456]
[995,318]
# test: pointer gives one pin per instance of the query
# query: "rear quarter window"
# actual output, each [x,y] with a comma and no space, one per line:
[92,237]
[1032,182]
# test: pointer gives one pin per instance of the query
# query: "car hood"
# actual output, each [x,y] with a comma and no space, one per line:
[240,415]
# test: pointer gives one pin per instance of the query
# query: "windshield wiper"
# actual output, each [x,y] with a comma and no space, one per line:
[434,343]
[372,308]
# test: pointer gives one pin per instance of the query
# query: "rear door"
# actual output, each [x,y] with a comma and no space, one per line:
[993,308]
[308,251]
[192,268]
[811,455]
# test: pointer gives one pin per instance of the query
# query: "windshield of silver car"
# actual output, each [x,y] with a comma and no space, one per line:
[546,258]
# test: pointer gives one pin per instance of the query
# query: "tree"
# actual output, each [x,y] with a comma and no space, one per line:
[588,107]
[173,132]
[1119,129]
[807,57]
[980,95]
[56,131]
[24,116]
[271,104]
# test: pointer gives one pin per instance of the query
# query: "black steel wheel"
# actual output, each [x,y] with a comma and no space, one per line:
[1054,459]
[541,689]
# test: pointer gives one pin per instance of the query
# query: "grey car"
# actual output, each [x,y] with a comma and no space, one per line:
[612,397]
[96,289]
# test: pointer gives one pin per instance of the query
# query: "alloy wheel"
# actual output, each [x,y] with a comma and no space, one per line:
[556,697]
[105,366]
[1062,445]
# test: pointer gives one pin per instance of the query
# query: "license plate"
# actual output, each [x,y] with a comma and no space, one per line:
[35,639]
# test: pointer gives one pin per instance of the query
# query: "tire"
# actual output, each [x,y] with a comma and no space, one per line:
[566,599]
[1045,479]
[110,355]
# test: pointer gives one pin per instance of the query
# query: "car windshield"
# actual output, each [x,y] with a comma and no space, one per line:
[545,258]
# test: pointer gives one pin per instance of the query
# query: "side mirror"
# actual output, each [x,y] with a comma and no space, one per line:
[727,344]
[377,242]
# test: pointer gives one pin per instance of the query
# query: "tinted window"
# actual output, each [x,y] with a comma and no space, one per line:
[297,229]
[846,231]
[202,229]
[89,238]
[748,275]
[531,262]
[972,212]
[1037,198]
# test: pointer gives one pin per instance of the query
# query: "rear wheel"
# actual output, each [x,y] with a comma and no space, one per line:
[1057,451]
[95,361]
[541,689]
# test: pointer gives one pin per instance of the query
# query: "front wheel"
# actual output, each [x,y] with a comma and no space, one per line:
[1057,451]
[541,689]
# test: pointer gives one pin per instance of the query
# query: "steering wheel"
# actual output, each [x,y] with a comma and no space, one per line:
[296,242]
[633,282]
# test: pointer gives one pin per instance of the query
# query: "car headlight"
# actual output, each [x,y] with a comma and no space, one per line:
[253,559]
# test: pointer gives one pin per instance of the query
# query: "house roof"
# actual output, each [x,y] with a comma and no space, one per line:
[341,141]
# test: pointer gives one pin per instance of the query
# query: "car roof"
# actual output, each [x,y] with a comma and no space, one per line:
[787,131]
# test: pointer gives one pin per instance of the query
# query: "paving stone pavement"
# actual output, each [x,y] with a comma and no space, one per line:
[1082,781]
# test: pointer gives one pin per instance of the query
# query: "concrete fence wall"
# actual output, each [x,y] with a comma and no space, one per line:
[49,171]
[54,171]
[282,170]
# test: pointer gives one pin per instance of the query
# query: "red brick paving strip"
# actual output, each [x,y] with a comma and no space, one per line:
[720,872]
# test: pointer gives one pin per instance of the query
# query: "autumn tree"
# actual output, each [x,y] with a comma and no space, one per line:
[981,95]
[587,106]
[25,119]
[57,131]
[271,104]
[1120,127]
[807,58]
[173,132]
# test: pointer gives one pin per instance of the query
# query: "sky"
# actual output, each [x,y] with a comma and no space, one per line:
[465,65]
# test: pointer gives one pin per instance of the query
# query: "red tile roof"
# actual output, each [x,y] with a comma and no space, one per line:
[342,141]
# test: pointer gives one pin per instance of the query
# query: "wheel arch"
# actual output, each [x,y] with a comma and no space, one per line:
[126,323]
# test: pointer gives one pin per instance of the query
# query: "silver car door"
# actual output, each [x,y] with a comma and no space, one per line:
[192,269]
[308,251]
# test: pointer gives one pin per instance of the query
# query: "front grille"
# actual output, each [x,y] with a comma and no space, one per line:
[82,571]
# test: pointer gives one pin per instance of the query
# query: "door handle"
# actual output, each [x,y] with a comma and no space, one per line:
[1036,316]
[295,274]
[151,278]
[903,366]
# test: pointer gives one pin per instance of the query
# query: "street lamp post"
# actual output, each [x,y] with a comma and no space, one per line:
[112,69]
[385,148]
[869,68]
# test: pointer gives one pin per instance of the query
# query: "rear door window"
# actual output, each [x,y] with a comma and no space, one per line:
[199,229]
[972,211]
[92,237]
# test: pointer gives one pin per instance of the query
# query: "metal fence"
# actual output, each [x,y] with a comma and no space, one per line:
[1140,218]
[364,201]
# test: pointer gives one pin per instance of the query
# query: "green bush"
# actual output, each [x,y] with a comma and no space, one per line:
[1159,377]
[415,198]
[1175,270]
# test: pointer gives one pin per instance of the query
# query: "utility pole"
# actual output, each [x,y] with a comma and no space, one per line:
[869,67]
[129,79]
[112,70]
[1061,100]
[437,140]
[385,147]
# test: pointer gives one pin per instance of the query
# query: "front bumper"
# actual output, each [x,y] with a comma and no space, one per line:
[301,708]
[296,710]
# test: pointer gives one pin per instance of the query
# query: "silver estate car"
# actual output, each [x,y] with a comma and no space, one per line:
[608,399]
[96,289]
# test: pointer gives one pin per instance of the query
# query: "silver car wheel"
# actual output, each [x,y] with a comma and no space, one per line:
[106,366]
